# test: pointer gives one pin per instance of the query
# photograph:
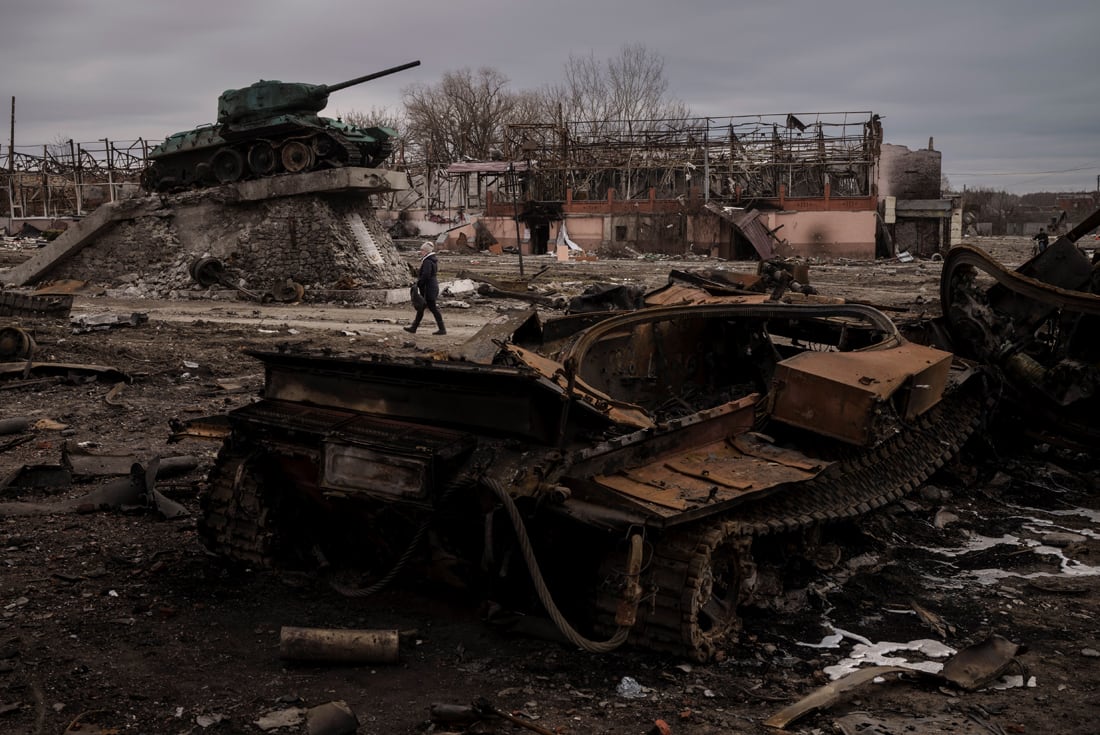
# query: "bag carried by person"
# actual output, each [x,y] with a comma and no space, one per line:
[417,300]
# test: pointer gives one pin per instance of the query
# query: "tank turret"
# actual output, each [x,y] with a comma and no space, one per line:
[271,98]
[267,128]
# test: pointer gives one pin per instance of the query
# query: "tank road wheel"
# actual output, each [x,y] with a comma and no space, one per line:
[227,165]
[297,156]
[262,159]
[202,175]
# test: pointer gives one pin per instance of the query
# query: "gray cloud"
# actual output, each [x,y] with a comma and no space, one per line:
[1005,88]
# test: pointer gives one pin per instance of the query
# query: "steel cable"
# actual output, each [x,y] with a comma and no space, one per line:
[545,597]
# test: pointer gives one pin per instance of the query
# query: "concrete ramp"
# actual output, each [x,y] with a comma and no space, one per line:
[76,237]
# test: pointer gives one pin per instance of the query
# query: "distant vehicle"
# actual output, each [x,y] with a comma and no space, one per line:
[267,128]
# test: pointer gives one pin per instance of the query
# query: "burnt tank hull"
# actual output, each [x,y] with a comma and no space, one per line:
[620,463]
[266,129]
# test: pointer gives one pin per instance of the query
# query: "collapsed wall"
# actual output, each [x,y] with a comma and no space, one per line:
[319,240]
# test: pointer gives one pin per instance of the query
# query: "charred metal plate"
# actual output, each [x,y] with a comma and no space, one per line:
[620,412]
[360,453]
[849,395]
[363,470]
[285,416]
[720,472]
[518,326]
[477,397]
[678,293]
[391,458]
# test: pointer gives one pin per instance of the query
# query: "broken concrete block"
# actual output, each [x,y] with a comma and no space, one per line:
[458,287]
[396,296]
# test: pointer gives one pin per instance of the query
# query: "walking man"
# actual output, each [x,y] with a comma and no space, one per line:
[428,285]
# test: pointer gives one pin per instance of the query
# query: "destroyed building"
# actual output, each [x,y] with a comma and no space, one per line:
[917,218]
[818,184]
[739,187]
[805,184]
[64,181]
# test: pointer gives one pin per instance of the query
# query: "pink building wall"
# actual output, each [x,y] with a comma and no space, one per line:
[823,234]
[826,234]
[586,231]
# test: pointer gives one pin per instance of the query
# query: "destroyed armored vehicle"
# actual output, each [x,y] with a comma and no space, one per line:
[639,476]
[1038,327]
[267,128]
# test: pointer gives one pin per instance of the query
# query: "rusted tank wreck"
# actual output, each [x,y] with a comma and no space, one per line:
[645,466]
[1037,328]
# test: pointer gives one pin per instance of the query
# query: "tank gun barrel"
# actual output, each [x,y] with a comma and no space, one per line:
[359,80]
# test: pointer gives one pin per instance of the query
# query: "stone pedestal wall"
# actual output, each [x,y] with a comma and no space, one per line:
[318,240]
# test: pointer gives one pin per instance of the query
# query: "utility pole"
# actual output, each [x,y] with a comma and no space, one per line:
[11,164]
[45,182]
[706,160]
[515,212]
[77,182]
[110,168]
[11,140]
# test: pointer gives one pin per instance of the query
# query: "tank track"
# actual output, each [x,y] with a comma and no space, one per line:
[14,303]
[672,618]
[237,518]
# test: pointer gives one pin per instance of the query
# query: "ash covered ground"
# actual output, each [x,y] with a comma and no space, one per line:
[119,621]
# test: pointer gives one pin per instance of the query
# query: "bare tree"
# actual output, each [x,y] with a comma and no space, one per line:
[461,117]
[376,116]
[626,88]
[611,108]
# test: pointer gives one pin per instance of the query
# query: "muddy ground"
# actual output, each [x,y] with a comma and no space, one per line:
[120,622]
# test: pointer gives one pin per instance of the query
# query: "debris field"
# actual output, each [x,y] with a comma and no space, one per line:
[975,592]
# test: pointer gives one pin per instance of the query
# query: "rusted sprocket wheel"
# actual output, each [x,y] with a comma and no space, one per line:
[288,291]
[692,587]
[712,591]
[152,177]
[16,344]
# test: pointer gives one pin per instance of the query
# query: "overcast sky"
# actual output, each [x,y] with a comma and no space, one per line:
[1008,89]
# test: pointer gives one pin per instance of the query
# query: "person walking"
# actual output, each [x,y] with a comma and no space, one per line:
[428,285]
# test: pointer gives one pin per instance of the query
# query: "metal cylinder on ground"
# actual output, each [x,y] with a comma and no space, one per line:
[330,645]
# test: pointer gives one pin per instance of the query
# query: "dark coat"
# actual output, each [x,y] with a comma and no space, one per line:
[426,280]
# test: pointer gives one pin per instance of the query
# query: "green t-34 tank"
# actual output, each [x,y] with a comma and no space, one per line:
[267,128]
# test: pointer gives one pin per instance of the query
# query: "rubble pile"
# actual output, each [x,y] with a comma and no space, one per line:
[314,240]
